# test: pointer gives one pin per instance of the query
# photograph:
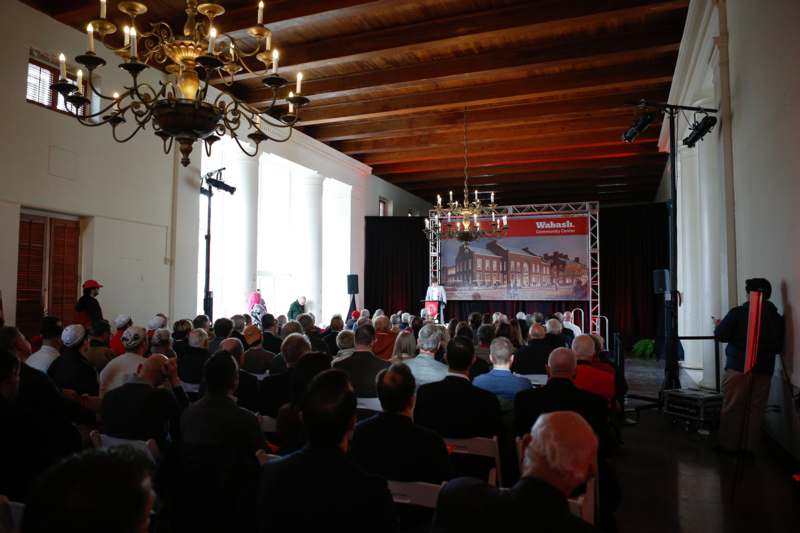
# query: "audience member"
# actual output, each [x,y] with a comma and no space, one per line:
[318,487]
[202,322]
[310,330]
[346,344]
[276,389]
[51,345]
[121,323]
[142,408]
[247,392]
[238,328]
[416,325]
[256,358]
[532,358]
[270,340]
[595,377]
[384,338]
[282,320]
[500,381]
[474,320]
[336,325]
[161,342]
[222,330]
[396,322]
[362,366]
[570,325]
[424,366]
[555,334]
[72,370]
[485,335]
[560,456]
[180,336]
[93,492]
[99,353]
[252,336]
[381,444]
[191,363]
[122,367]
[516,333]
[405,346]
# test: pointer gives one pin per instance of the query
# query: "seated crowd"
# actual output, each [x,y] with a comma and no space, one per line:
[286,426]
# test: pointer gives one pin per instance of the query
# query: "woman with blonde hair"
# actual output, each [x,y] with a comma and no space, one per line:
[405,346]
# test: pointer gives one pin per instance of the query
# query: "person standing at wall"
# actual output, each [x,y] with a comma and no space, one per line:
[88,308]
[297,308]
[746,393]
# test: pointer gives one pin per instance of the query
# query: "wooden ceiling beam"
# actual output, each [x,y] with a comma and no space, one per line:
[586,82]
[518,167]
[532,18]
[507,116]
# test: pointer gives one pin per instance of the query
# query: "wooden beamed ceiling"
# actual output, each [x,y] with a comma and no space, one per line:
[547,87]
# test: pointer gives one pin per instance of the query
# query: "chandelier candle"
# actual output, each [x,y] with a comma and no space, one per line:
[90,33]
[80,81]
[133,43]
[102,9]
[261,13]
[62,66]
[212,36]
[275,56]
[291,106]
[299,82]
[127,32]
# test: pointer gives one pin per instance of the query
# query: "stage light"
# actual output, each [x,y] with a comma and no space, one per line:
[638,127]
[698,130]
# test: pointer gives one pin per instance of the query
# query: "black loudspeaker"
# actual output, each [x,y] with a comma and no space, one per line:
[661,281]
[352,284]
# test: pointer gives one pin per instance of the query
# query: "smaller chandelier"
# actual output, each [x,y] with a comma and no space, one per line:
[463,221]
[178,110]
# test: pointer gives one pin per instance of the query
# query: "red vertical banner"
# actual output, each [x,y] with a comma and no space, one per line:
[753,330]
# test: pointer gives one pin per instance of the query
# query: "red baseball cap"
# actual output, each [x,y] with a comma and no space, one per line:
[91,284]
[355,314]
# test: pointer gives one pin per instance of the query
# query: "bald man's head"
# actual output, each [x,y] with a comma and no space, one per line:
[584,347]
[537,331]
[561,363]
[561,450]
[153,370]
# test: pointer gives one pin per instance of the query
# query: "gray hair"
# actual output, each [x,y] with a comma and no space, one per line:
[198,337]
[378,312]
[395,320]
[346,339]
[583,346]
[430,338]
[554,326]
[406,317]
[161,337]
[562,363]
[365,313]
[234,346]
[565,443]
[238,323]
[501,350]
[133,337]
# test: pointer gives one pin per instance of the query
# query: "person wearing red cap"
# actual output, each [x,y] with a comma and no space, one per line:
[88,308]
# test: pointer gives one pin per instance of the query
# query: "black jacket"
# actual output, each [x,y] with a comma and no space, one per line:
[561,395]
[71,370]
[455,408]
[190,365]
[320,489]
[274,391]
[381,446]
[138,411]
[468,505]
[91,307]
[271,343]
[532,358]
[733,330]
[330,340]
[362,367]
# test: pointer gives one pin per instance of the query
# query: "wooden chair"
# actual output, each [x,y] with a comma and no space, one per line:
[480,447]
[415,493]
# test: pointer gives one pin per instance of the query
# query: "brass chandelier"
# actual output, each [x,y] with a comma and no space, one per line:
[177,109]
[467,227]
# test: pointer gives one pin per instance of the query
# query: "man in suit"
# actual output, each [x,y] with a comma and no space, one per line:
[190,363]
[362,366]
[142,409]
[499,380]
[336,325]
[222,330]
[384,444]
[270,340]
[247,391]
[424,366]
[454,407]
[276,389]
[560,456]
[555,334]
[561,394]
[318,488]
[219,469]
[532,358]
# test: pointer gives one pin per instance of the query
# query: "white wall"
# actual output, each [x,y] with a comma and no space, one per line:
[128,192]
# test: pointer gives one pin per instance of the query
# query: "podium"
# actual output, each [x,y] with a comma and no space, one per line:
[432,307]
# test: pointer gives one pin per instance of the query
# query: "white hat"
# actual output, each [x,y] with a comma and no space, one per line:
[133,337]
[156,322]
[73,335]
[121,321]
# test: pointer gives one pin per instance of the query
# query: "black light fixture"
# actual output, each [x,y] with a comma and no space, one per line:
[641,123]
[698,130]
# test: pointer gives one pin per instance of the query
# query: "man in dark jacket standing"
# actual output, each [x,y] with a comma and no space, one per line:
[88,308]
[297,308]
[746,393]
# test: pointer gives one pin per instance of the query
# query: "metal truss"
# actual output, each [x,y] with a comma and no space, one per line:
[592,209]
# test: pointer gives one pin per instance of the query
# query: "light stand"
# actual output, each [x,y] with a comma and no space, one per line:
[208,191]
[671,370]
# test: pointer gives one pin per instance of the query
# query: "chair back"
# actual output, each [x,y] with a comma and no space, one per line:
[537,380]
[370,404]
[260,376]
[415,493]
[480,447]
[190,388]
[268,424]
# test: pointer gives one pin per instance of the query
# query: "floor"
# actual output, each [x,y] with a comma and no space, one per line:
[673,481]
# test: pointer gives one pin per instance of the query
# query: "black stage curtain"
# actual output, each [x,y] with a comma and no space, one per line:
[633,243]
[395,263]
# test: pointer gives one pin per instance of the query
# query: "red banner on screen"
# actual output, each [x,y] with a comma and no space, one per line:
[548,226]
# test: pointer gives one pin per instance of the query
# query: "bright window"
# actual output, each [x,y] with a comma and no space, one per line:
[40,77]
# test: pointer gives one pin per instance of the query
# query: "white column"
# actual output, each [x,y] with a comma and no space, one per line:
[242,172]
[184,237]
[306,224]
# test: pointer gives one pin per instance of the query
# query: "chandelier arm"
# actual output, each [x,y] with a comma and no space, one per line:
[126,139]
[168,149]
[239,51]
[275,139]
[243,149]
[93,87]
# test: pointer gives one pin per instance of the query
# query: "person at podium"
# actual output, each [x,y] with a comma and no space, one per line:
[436,293]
